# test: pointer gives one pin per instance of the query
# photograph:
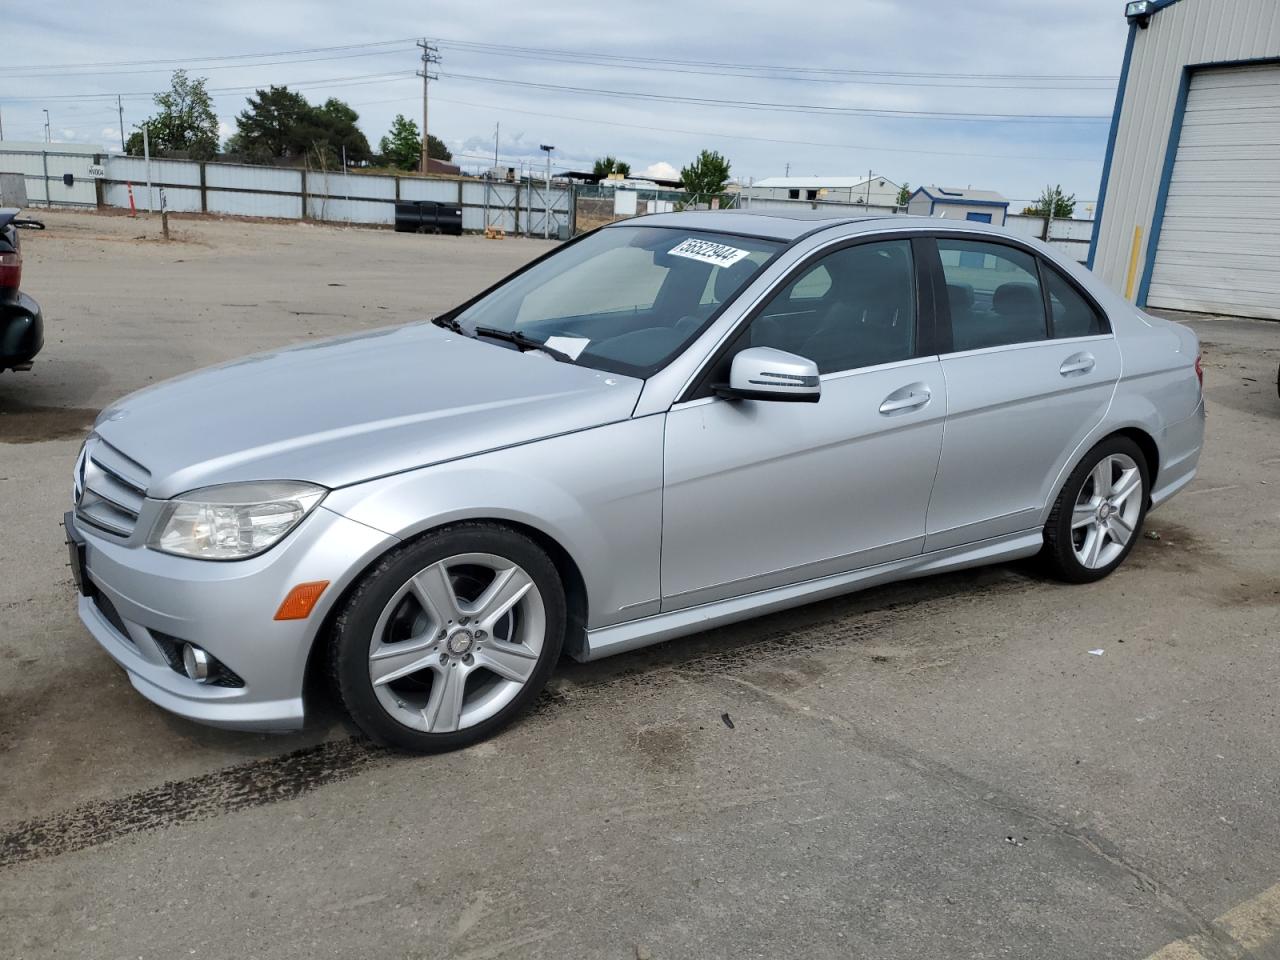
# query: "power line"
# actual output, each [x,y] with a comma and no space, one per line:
[884,112]
[398,51]
[104,64]
[204,63]
[738,136]
[352,81]
[809,75]
[498,47]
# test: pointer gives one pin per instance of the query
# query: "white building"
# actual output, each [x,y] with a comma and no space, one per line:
[954,203]
[1189,211]
[873,191]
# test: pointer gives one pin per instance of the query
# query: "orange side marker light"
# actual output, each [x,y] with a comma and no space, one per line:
[301,600]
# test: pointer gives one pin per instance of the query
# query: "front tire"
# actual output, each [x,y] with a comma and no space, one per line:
[1099,513]
[449,638]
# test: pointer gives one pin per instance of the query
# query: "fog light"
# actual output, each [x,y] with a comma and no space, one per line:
[196,663]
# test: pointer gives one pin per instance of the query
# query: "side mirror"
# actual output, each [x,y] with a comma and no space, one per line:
[763,373]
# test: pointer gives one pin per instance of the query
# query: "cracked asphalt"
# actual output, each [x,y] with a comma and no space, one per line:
[934,769]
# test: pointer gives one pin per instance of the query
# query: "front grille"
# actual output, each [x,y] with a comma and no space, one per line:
[110,488]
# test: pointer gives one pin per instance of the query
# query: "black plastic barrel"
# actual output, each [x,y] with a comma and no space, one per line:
[449,218]
[410,214]
[428,216]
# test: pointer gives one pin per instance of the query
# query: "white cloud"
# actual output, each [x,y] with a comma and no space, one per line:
[660,171]
[586,119]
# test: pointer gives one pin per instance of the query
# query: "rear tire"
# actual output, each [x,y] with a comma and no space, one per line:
[449,638]
[1098,515]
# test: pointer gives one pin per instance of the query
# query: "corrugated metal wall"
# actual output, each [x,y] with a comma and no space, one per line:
[43,169]
[1219,239]
[1188,32]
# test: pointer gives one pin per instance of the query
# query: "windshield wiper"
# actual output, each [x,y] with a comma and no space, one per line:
[449,324]
[522,340]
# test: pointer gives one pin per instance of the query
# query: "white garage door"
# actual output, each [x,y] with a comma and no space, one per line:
[1219,247]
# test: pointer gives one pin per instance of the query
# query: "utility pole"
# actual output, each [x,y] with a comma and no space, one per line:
[430,55]
[46,127]
[120,110]
[546,206]
[1,125]
[146,157]
[496,128]
[788,173]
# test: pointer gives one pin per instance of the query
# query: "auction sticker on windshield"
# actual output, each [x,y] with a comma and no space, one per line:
[722,255]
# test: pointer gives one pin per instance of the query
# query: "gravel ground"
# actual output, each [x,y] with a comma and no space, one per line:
[933,769]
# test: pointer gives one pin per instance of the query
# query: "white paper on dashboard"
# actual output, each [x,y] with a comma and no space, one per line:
[572,346]
[721,254]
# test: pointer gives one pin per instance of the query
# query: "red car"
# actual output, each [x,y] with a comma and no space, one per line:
[21,325]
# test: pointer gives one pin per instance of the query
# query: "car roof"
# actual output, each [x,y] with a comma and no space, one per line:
[789,225]
[771,224]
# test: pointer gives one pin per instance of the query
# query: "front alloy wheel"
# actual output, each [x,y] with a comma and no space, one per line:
[449,638]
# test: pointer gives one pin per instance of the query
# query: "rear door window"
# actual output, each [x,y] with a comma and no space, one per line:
[1072,314]
[994,294]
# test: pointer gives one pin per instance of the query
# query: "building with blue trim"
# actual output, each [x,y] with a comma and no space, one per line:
[1188,213]
[953,203]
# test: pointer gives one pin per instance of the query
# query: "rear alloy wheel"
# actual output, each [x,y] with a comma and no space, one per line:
[1099,512]
[450,638]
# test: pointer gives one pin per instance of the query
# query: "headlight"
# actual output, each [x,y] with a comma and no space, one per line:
[233,521]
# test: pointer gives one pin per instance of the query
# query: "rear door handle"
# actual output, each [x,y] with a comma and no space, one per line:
[1077,363]
[907,398]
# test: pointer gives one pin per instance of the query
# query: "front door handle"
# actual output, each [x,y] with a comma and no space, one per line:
[907,398]
[1077,363]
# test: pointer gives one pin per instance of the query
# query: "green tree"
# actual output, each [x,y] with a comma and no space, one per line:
[185,124]
[402,146]
[607,165]
[1052,198]
[331,129]
[904,194]
[279,124]
[267,128]
[706,177]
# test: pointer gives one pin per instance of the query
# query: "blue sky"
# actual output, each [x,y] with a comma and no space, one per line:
[60,53]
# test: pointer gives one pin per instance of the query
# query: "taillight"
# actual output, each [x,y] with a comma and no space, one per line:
[1200,372]
[10,270]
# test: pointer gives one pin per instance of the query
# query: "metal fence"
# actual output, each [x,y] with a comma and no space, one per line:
[1069,237]
[56,178]
[529,206]
[761,204]
[53,177]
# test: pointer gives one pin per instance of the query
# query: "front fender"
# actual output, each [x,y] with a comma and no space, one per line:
[597,493]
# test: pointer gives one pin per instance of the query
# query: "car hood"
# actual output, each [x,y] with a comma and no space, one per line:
[341,411]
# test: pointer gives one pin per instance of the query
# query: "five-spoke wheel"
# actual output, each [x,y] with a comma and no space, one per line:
[1099,512]
[450,637]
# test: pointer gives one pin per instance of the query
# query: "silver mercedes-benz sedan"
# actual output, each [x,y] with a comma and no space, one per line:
[671,423]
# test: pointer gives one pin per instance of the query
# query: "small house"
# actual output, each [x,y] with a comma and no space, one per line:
[952,203]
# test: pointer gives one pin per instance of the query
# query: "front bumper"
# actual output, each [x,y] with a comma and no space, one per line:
[136,600]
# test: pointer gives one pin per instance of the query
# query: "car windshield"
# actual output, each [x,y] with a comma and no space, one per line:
[625,299]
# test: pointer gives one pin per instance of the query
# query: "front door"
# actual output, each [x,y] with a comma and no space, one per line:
[759,494]
[1024,389]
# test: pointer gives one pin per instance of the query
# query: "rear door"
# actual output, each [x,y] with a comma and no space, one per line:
[758,494]
[1030,372]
